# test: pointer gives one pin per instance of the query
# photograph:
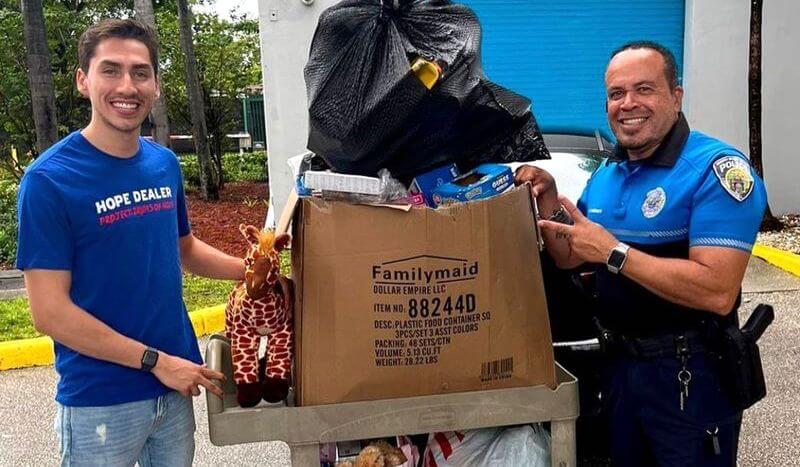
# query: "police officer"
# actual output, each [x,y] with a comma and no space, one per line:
[668,224]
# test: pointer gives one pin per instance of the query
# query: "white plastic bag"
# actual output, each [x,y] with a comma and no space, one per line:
[523,446]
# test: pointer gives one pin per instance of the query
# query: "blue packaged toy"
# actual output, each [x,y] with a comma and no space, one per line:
[484,181]
[426,183]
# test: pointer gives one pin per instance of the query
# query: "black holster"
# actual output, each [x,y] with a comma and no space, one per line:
[741,373]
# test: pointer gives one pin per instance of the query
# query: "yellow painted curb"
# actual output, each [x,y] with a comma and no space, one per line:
[26,352]
[785,260]
[38,351]
[208,320]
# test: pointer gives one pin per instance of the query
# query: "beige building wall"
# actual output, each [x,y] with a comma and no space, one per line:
[715,78]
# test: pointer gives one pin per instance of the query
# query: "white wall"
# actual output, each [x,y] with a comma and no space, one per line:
[715,79]
[287,27]
[781,95]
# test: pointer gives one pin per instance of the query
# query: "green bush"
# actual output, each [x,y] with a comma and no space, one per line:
[247,167]
[8,221]
[191,173]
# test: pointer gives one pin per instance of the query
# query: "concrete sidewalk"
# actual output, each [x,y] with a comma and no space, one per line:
[12,285]
[769,434]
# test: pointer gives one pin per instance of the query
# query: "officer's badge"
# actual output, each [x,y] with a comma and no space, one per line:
[734,174]
[654,202]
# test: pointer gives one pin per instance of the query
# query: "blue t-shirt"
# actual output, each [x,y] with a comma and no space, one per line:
[694,191]
[114,224]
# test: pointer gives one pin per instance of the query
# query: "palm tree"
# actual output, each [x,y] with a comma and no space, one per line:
[40,76]
[770,222]
[209,179]
[144,11]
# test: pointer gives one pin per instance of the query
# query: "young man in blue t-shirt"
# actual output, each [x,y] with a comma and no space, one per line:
[103,234]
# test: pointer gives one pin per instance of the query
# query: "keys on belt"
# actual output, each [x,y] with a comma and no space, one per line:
[681,346]
[684,375]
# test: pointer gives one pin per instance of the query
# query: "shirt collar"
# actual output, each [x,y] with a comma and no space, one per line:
[668,151]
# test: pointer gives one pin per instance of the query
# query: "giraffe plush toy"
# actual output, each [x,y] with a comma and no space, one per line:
[260,307]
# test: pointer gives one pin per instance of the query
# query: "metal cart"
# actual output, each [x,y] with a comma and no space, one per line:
[304,428]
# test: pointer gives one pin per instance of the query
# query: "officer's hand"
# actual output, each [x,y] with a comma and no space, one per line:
[587,240]
[186,377]
[542,183]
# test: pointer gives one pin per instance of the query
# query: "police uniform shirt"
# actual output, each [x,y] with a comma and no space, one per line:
[693,191]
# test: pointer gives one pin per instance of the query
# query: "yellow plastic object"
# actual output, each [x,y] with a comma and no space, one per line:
[426,71]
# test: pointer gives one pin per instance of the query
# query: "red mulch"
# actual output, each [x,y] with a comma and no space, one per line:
[217,223]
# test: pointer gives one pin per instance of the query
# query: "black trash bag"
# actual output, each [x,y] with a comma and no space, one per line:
[368,111]
[312,161]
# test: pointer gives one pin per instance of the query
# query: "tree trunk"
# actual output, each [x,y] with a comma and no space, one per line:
[40,76]
[144,12]
[770,222]
[218,158]
[214,119]
[209,182]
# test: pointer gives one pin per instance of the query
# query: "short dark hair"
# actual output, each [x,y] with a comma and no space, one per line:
[670,68]
[116,28]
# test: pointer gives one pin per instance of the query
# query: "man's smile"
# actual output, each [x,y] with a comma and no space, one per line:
[632,122]
[125,107]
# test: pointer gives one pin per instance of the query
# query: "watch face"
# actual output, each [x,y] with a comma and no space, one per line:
[149,358]
[616,258]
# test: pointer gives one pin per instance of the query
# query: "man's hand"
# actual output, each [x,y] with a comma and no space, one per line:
[588,241]
[542,183]
[186,377]
[287,289]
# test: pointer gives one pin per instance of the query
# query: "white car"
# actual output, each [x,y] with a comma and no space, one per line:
[574,158]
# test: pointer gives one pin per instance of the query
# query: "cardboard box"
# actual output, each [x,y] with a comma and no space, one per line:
[397,304]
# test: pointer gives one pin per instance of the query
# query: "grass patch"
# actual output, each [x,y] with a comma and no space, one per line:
[15,320]
[198,292]
[286,263]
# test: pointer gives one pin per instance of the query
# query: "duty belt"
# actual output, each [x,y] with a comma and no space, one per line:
[653,347]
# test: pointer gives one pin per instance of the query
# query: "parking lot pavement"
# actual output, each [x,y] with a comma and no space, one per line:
[770,430]
[27,411]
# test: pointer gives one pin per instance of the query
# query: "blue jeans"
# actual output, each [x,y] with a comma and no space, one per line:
[153,432]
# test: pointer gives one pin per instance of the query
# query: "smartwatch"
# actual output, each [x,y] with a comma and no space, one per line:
[149,359]
[617,257]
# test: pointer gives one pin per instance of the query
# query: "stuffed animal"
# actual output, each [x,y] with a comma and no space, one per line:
[257,307]
[378,454]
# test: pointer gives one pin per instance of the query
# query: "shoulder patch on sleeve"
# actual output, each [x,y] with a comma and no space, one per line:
[735,176]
